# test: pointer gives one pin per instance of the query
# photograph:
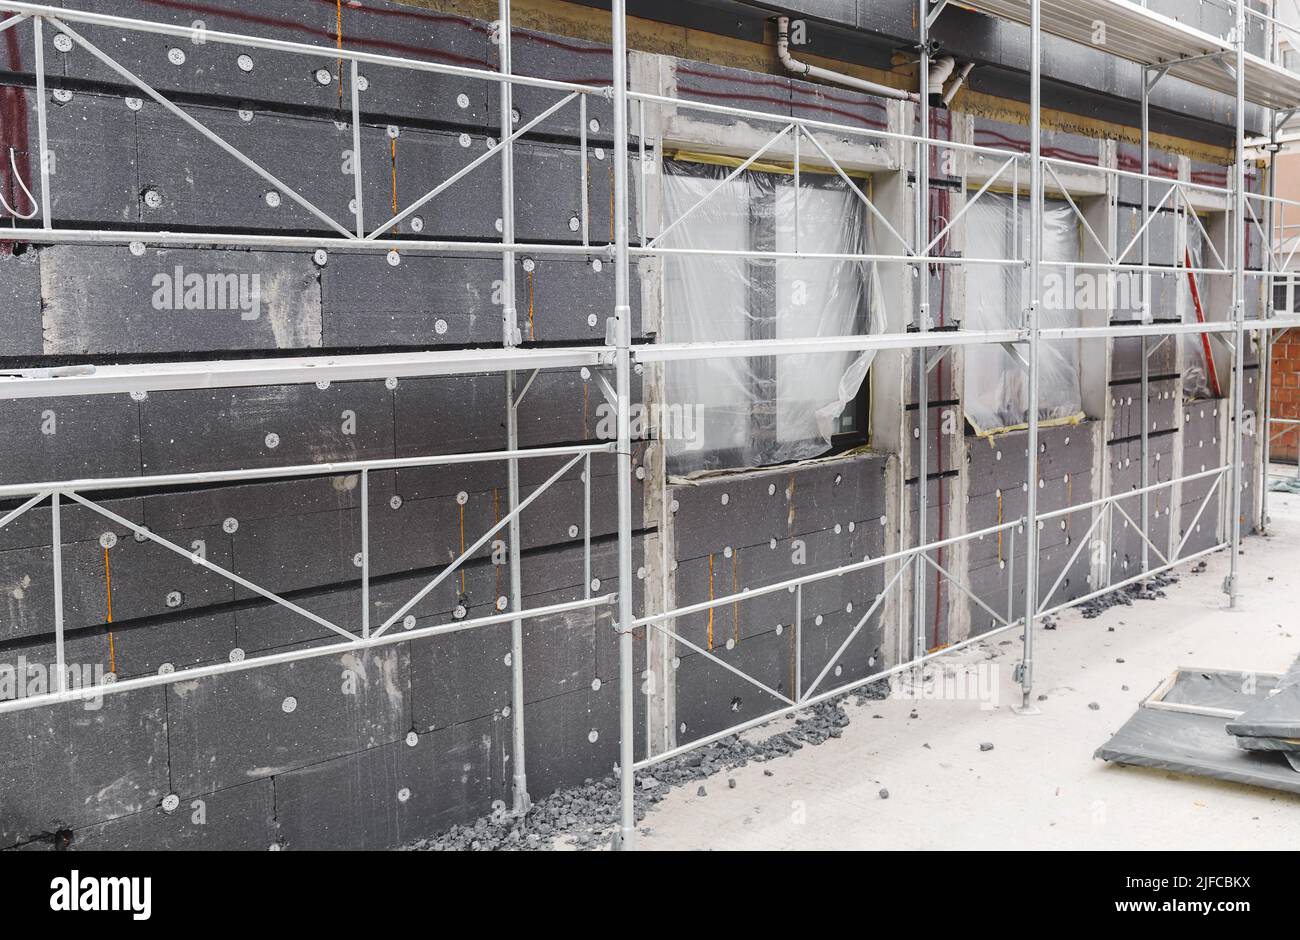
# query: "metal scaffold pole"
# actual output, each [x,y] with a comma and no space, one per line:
[1035,289]
[510,335]
[1144,409]
[1266,337]
[922,287]
[623,392]
[1233,586]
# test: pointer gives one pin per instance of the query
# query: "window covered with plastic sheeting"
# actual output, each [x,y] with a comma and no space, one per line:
[997,297]
[1199,378]
[757,411]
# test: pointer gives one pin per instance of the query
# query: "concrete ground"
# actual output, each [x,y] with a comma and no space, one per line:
[1039,787]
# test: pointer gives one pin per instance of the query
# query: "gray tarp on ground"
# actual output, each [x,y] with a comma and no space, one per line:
[1214,689]
[1276,716]
[1198,744]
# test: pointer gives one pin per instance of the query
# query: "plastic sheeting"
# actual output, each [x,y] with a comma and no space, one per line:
[1214,689]
[753,412]
[997,296]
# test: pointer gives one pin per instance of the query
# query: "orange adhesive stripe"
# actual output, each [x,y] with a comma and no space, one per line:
[710,637]
[108,591]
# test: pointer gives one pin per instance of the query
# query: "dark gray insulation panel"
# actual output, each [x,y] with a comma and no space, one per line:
[395,793]
[70,438]
[98,299]
[1126,543]
[278,718]
[1203,449]
[571,737]
[193,430]
[195,180]
[428,300]
[776,526]
[943,440]
[117,166]
[20,302]
[1126,351]
[997,469]
[68,767]
[1277,716]
[282,551]
[754,507]
[286,79]
[1196,745]
[564,59]
[710,698]
[1126,405]
[239,819]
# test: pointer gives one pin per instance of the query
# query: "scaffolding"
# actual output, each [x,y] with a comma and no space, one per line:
[1161,46]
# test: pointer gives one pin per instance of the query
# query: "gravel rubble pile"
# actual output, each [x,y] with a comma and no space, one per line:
[587,815]
[1153,589]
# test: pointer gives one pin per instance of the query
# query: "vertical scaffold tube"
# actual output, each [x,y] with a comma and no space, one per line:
[623,391]
[1035,290]
[1233,587]
[510,337]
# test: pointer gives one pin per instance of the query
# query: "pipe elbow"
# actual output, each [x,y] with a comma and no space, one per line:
[783,47]
[962,74]
[940,70]
[792,64]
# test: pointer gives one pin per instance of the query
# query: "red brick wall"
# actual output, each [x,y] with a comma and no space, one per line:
[1286,394]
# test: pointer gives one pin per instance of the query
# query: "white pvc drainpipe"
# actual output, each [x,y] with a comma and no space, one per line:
[839,78]
[957,83]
